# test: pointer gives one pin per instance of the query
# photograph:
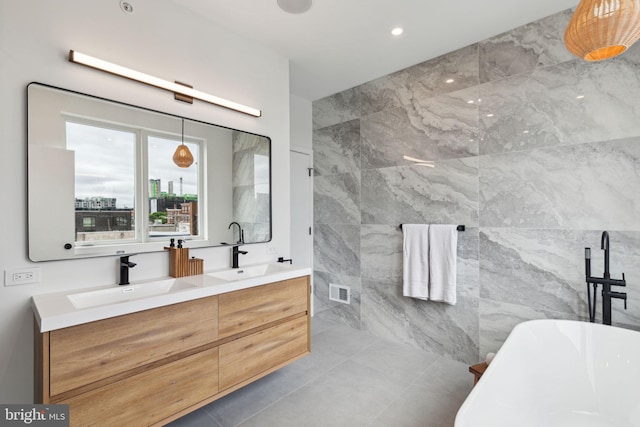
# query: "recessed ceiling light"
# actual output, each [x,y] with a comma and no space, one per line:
[126,6]
[295,6]
[489,115]
[397,31]
[579,96]
[450,81]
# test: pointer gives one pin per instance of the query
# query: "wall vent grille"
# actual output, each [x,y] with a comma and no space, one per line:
[339,293]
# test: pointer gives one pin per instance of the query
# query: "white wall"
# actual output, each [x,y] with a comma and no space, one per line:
[159,38]
[301,123]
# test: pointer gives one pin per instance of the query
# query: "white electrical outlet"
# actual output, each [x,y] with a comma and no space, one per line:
[22,276]
[272,250]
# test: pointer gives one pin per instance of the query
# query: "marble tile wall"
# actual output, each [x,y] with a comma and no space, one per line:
[535,151]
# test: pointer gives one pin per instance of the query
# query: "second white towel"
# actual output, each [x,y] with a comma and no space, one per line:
[443,243]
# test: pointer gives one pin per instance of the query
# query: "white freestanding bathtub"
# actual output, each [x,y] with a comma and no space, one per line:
[559,373]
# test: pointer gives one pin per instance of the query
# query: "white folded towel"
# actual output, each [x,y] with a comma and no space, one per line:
[415,261]
[443,243]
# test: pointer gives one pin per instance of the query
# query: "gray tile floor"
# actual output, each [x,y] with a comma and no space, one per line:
[350,379]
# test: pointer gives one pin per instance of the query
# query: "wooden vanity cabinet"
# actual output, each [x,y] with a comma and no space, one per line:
[153,366]
[252,308]
[85,354]
[149,397]
[246,357]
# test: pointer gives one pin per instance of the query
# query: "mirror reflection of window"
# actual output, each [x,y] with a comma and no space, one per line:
[231,184]
[104,182]
[173,191]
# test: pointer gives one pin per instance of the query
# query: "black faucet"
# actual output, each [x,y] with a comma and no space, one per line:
[234,256]
[604,245]
[125,265]
[606,281]
[240,232]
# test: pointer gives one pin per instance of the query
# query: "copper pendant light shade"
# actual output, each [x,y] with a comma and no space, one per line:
[183,157]
[601,29]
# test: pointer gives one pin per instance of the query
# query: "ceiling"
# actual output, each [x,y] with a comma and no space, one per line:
[339,44]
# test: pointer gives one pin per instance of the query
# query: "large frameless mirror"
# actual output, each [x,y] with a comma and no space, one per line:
[103,181]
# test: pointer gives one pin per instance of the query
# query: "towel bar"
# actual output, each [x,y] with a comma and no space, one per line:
[459,228]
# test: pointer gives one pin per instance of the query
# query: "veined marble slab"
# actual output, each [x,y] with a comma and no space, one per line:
[569,103]
[444,194]
[431,326]
[443,127]
[445,74]
[582,186]
[542,269]
[538,44]
[337,108]
[336,199]
[337,249]
[336,149]
[381,252]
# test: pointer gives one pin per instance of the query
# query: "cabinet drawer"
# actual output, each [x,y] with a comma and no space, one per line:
[149,397]
[246,357]
[249,308]
[86,353]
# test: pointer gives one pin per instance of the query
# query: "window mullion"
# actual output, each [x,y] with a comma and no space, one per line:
[142,187]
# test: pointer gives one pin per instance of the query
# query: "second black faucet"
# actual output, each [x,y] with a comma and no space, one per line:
[606,281]
[236,248]
[125,265]
[234,256]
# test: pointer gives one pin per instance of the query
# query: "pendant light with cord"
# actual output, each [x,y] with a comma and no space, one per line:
[183,157]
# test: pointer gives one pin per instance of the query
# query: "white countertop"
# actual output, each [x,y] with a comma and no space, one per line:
[56,310]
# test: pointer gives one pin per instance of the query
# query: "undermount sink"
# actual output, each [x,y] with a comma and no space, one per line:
[248,272]
[127,293]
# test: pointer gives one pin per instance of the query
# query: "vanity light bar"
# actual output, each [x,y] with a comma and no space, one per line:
[99,64]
